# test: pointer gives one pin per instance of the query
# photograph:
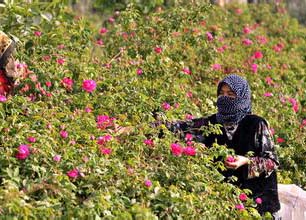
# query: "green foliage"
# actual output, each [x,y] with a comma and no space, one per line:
[112,186]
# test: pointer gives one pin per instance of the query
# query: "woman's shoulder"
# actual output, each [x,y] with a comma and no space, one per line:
[255,119]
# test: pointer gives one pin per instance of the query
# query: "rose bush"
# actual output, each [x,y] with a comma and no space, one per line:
[75,91]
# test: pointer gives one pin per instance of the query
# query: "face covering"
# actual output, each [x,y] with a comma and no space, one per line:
[234,109]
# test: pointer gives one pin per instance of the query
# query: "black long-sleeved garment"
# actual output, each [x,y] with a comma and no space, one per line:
[250,135]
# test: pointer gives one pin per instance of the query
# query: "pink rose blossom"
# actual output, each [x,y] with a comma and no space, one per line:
[303,124]
[186,70]
[238,11]
[37,33]
[111,20]
[139,71]
[48,84]
[73,174]
[158,49]
[262,39]
[23,152]
[99,42]
[88,109]
[209,36]
[258,55]
[104,139]
[189,94]
[176,105]
[254,68]
[31,139]
[239,206]
[3,98]
[148,183]
[63,134]
[60,61]
[268,94]
[246,30]
[57,158]
[280,140]
[148,142]
[243,197]
[89,85]
[105,151]
[216,66]
[230,159]
[166,106]
[188,116]
[46,58]
[104,121]
[188,137]
[176,149]
[247,42]
[294,104]
[258,200]
[103,30]
[61,46]
[269,80]
[67,83]
[189,151]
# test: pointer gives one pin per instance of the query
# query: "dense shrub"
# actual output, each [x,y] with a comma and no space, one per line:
[79,165]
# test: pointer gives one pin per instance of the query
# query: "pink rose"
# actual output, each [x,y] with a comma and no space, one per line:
[176,149]
[258,200]
[60,61]
[64,134]
[99,42]
[166,106]
[188,137]
[73,174]
[158,49]
[254,68]
[268,94]
[104,139]
[57,158]
[48,84]
[139,71]
[246,30]
[67,83]
[148,142]
[148,183]
[239,206]
[23,152]
[37,33]
[243,197]
[209,36]
[103,30]
[258,55]
[189,151]
[216,66]
[105,151]
[280,140]
[230,159]
[89,85]
[186,70]
[3,98]
[31,139]
[247,42]
[88,109]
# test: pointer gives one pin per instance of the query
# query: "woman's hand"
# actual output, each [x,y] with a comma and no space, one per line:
[237,162]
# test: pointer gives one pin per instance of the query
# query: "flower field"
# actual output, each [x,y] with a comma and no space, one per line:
[63,152]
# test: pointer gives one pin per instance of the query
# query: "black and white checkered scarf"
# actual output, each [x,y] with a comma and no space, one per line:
[234,109]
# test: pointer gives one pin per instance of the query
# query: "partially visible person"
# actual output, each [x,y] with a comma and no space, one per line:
[8,71]
[243,132]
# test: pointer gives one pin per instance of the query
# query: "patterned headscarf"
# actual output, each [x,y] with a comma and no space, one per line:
[234,109]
